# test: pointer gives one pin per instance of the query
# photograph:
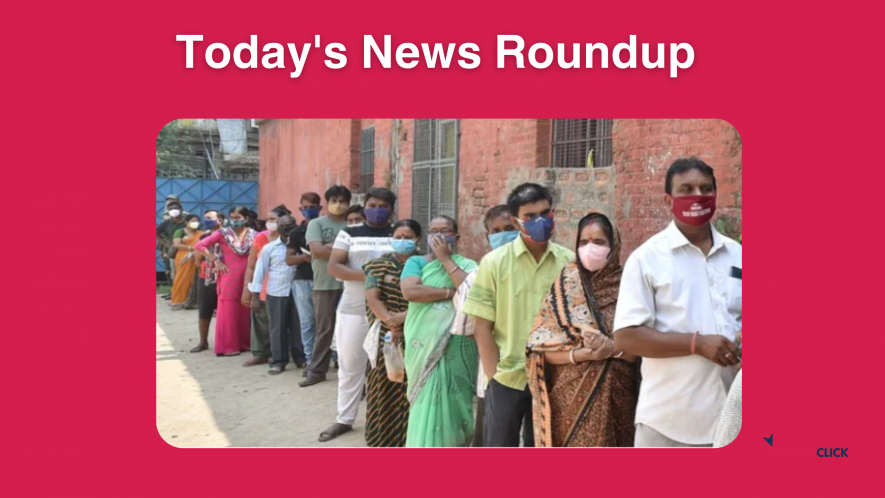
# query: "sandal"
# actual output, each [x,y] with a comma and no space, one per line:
[200,347]
[334,431]
[231,354]
[276,370]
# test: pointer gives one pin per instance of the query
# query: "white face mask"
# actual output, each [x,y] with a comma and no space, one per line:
[194,225]
[271,226]
[175,213]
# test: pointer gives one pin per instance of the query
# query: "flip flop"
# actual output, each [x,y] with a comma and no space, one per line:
[199,348]
[334,431]
[276,370]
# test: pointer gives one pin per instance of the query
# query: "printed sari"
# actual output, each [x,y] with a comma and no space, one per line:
[387,407]
[185,269]
[593,403]
[441,368]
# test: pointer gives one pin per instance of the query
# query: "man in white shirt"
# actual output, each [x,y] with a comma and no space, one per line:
[285,327]
[680,309]
[354,247]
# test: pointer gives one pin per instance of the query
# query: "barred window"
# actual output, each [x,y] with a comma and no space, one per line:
[367,159]
[582,143]
[435,171]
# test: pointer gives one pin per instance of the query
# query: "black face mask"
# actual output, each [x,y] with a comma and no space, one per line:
[285,230]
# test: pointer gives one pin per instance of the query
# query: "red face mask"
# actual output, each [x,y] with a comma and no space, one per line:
[694,209]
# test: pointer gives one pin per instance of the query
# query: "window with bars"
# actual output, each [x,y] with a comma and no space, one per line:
[434,171]
[580,143]
[367,159]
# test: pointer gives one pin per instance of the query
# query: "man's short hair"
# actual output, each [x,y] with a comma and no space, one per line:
[495,212]
[311,197]
[527,193]
[682,165]
[383,194]
[339,191]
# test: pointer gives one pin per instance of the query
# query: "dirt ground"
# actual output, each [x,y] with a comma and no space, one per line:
[204,401]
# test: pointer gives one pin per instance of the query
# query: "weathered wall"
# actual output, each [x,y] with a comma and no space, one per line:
[491,152]
[645,148]
[495,155]
[304,155]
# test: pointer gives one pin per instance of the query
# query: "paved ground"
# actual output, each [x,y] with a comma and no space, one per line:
[204,401]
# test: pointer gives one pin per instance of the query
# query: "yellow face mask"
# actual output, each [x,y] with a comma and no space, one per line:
[337,208]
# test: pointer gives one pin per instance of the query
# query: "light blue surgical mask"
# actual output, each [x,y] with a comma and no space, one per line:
[238,223]
[404,247]
[497,240]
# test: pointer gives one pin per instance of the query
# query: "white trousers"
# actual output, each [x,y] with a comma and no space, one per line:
[646,437]
[350,333]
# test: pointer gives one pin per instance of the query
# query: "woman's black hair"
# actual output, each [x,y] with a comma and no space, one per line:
[192,216]
[449,219]
[603,222]
[356,208]
[281,211]
[410,224]
[242,211]
[527,193]
[339,191]
[383,194]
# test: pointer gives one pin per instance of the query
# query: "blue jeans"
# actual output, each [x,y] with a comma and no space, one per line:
[303,292]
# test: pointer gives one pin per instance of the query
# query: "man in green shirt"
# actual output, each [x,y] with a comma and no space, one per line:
[505,298]
[321,234]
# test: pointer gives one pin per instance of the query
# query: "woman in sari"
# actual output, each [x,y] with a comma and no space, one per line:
[184,240]
[441,368]
[584,392]
[387,407]
[232,323]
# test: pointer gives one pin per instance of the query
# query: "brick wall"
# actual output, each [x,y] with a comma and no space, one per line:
[496,155]
[645,148]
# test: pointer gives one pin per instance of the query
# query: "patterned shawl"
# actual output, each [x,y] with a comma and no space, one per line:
[233,241]
[575,299]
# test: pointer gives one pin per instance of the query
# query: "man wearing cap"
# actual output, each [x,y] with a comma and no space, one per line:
[166,231]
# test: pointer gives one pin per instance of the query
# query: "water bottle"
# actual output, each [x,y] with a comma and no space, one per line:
[393,360]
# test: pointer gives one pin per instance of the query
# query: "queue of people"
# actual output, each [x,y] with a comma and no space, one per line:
[536,344]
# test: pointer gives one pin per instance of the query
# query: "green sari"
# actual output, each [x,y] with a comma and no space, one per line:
[441,368]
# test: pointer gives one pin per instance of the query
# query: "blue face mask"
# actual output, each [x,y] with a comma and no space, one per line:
[378,215]
[209,223]
[311,213]
[499,239]
[539,228]
[238,223]
[404,247]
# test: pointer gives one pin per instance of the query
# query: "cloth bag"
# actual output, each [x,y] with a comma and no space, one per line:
[373,339]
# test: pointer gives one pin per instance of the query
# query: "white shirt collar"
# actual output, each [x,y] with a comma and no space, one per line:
[677,239]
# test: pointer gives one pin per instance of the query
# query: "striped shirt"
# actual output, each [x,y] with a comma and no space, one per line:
[272,262]
[362,244]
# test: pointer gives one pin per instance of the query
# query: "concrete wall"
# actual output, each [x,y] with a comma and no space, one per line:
[304,155]
[495,155]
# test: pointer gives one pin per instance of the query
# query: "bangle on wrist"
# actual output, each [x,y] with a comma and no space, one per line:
[571,356]
[694,342]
